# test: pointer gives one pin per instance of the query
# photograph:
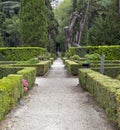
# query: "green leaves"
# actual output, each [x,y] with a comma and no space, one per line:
[33,23]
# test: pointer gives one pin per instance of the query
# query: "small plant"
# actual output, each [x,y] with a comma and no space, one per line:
[45,56]
[92,57]
[33,61]
[67,55]
[75,57]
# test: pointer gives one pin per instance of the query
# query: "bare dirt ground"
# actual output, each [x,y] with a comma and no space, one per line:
[57,103]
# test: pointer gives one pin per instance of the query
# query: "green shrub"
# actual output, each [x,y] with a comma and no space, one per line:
[45,56]
[30,61]
[105,90]
[51,59]
[92,57]
[29,74]
[4,71]
[72,67]
[9,94]
[110,52]
[20,53]
[19,84]
[67,54]
[64,58]
[110,71]
[41,68]
[11,89]
[75,58]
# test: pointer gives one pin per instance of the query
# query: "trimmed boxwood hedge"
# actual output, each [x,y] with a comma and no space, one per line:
[20,53]
[105,90]
[29,74]
[4,71]
[9,94]
[11,89]
[110,52]
[41,68]
[64,58]
[110,71]
[72,67]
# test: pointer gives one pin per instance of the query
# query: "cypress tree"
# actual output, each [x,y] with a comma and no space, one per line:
[33,23]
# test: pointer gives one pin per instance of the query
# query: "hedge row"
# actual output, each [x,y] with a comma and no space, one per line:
[72,67]
[28,74]
[4,71]
[20,53]
[11,89]
[64,58]
[110,52]
[41,68]
[110,71]
[105,90]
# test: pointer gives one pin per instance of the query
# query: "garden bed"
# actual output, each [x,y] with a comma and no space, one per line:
[11,89]
[41,67]
[105,90]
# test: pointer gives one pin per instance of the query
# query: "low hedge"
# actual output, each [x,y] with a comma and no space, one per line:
[51,59]
[110,71]
[9,94]
[4,71]
[7,62]
[11,89]
[29,74]
[105,90]
[41,68]
[110,52]
[97,65]
[64,58]
[20,53]
[72,67]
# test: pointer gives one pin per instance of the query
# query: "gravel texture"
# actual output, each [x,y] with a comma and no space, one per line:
[57,103]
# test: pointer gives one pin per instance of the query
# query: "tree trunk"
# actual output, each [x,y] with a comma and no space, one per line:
[70,29]
[82,24]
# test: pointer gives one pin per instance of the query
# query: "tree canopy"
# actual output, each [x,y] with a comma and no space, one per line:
[80,22]
[90,22]
[33,23]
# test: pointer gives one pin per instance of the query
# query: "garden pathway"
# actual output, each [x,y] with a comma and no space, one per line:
[57,103]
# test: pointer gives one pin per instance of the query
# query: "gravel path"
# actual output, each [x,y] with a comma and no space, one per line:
[57,103]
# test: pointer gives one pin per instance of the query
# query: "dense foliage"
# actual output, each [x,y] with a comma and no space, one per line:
[110,52]
[37,27]
[9,23]
[102,23]
[52,27]
[62,14]
[33,23]
[90,22]
[20,53]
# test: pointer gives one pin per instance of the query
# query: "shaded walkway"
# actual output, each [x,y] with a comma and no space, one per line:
[58,103]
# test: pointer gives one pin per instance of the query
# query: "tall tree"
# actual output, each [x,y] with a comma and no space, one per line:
[33,23]
[99,24]
[52,27]
[62,14]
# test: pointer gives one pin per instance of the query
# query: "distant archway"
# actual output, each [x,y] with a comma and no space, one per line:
[58,48]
